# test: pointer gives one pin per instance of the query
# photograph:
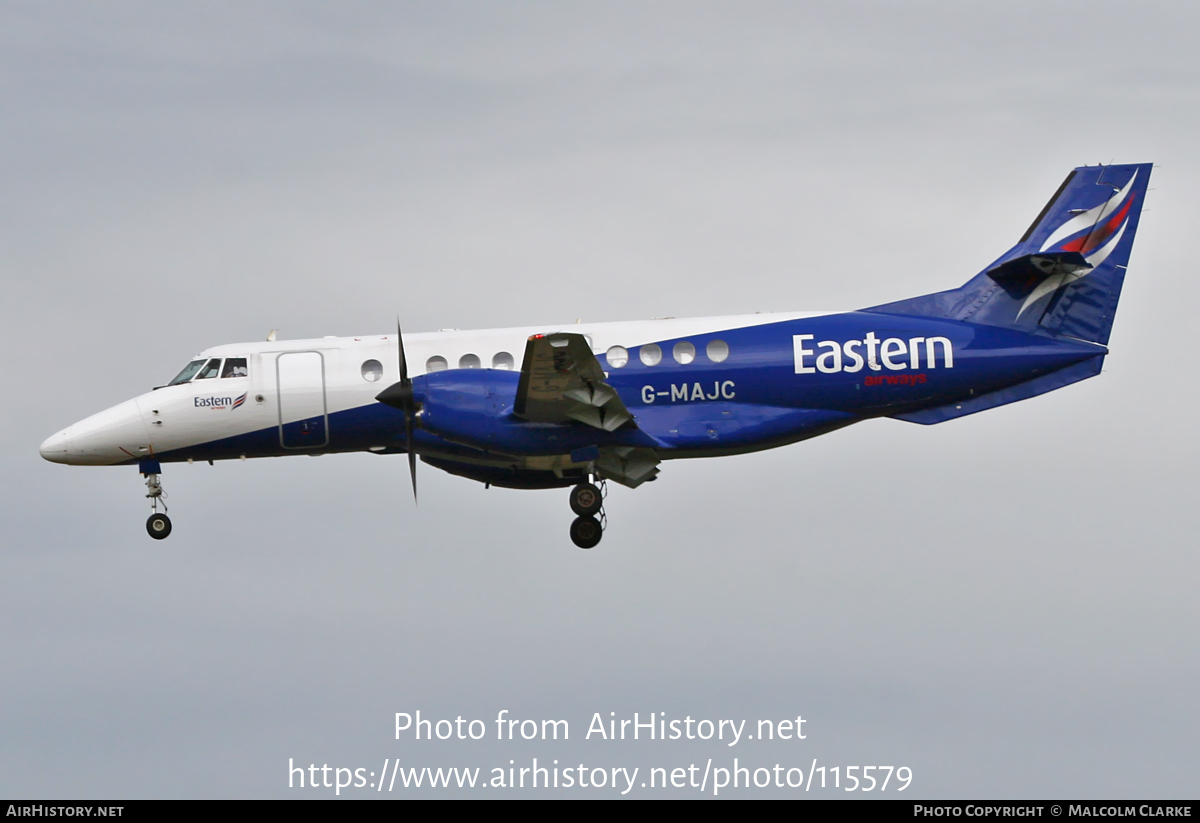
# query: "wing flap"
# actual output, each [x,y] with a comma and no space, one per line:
[627,465]
[561,381]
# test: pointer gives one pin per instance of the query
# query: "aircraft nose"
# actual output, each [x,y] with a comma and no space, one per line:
[115,435]
[56,447]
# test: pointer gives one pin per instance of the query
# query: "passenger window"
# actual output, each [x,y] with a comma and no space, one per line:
[650,354]
[617,356]
[717,350]
[436,363]
[235,367]
[503,360]
[469,361]
[684,352]
[372,370]
[212,369]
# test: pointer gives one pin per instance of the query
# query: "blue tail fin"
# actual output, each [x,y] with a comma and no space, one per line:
[1064,276]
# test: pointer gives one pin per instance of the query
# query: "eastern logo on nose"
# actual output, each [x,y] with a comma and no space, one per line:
[220,403]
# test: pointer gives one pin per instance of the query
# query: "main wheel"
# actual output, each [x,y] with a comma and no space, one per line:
[586,532]
[586,500]
[158,526]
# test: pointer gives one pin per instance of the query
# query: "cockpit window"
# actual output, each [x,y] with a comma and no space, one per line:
[189,371]
[235,367]
[211,369]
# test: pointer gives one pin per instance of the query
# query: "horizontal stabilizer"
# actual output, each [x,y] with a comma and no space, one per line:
[1021,275]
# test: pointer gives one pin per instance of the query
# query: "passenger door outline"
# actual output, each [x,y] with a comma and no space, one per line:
[300,383]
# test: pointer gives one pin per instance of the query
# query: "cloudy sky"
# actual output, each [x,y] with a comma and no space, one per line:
[1005,604]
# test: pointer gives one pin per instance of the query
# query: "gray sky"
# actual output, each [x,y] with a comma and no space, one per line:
[1005,603]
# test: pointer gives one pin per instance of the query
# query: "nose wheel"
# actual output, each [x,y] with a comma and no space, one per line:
[158,525]
[587,501]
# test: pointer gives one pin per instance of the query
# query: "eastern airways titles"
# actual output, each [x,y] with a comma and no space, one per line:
[895,353]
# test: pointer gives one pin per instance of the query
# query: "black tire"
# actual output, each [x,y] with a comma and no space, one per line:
[586,532]
[586,500]
[158,526]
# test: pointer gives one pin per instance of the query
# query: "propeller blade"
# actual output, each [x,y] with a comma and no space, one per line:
[400,344]
[399,395]
[412,455]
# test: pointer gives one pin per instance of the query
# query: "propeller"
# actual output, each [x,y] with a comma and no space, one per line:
[399,395]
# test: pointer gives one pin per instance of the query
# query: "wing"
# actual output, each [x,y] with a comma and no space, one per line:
[561,381]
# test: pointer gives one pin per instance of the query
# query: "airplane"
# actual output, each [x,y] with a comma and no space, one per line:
[598,402]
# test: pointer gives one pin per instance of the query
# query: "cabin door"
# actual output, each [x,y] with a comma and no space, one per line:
[303,414]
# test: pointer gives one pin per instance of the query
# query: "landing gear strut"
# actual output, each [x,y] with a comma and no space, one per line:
[158,525]
[587,501]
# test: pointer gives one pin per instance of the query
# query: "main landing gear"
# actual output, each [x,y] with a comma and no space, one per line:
[587,501]
[158,525]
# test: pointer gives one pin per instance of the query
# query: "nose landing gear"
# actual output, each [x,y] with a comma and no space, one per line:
[158,525]
[587,501]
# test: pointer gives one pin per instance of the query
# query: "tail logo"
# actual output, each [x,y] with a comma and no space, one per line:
[1094,233]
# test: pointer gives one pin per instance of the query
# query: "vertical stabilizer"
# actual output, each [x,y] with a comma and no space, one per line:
[1065,274]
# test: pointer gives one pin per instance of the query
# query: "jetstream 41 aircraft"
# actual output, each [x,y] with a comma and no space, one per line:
[611,401]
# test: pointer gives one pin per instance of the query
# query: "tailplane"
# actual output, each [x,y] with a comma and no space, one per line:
[1065,274]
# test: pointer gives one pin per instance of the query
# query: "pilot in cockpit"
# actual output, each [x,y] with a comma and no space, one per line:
[235,367]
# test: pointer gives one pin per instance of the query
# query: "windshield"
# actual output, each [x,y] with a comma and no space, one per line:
[188,372]
[211,370]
